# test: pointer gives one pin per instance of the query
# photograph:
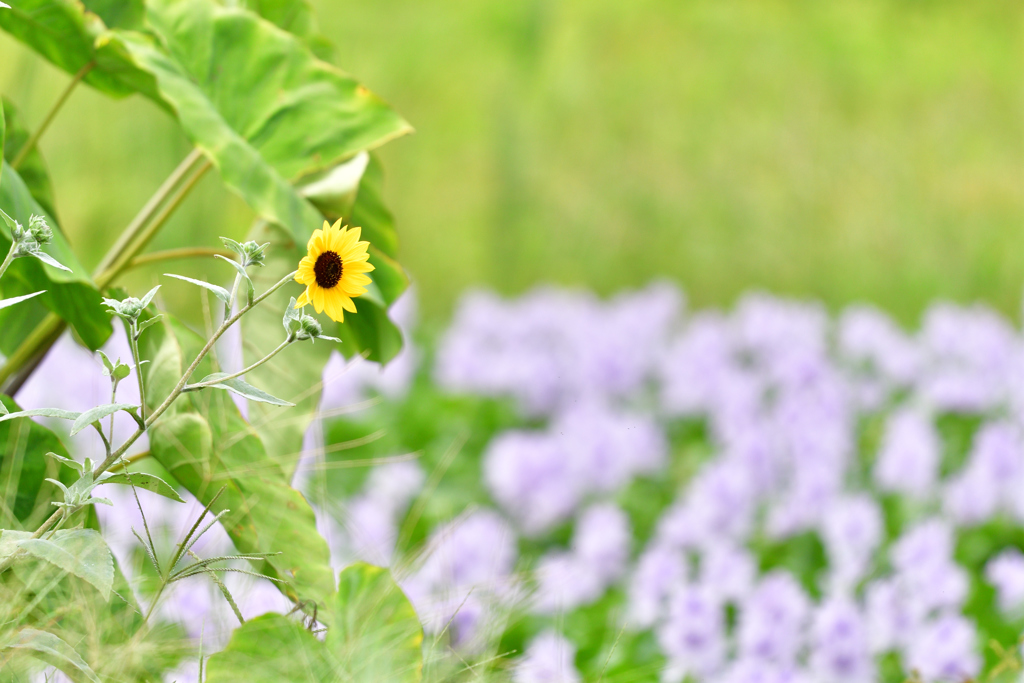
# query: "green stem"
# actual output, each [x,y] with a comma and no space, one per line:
[203,385]
[30,352]
[105,465]
[133,341]
[172,254]
[44,527]
[34,139]
[7,259]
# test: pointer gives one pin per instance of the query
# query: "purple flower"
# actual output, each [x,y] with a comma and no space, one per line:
[602,540]
[851,530]
[892,616]
[746,670]
[659,569]
[772,620]
[548,659]
[945,650]
[923,561]
[728,571]
[908,461]
[718,505]
[565,582]
[1006,573]
[840,650]
[693,635]
[990,479]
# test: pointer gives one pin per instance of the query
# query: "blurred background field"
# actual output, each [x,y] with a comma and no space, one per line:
[867,150]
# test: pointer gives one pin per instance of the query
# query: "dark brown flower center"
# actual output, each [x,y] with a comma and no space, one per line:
[327,269]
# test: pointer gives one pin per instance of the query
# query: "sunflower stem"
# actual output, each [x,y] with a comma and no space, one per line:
[105,465]
[234,375]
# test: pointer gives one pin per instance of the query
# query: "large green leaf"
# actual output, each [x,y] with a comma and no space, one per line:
[71,295]
[205,443]
[65,32]
[24,468]
[271,649]
[296,17]
[375,634]
[33,169]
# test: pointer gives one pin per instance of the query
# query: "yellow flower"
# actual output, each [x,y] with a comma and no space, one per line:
[334,270]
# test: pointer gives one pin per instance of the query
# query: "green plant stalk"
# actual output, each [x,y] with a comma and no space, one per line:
[30,144]
[105,465]
[8,259]
[20,365]
[133,341]
[202,385]
[174,254]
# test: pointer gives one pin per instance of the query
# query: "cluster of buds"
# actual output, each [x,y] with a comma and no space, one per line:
[250,253]
[28,241]
[129,309]
[302,326]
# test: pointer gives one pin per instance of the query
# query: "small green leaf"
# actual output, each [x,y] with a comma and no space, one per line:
[121,371]
[241,271]
[219,292]
[148,299]
[49,260]
[82,552]
[99,412]
[106,363]
[42,412]
[3,410]
[242,388]
[4,303]
[56,651]
[150,482]
[146,323]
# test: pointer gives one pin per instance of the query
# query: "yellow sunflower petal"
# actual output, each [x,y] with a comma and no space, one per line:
[348,304]
[318,299]
[333,307]
[303,299]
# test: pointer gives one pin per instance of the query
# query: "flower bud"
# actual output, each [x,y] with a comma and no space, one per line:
[128,309]
[39,230]
[252,254]
[309,328]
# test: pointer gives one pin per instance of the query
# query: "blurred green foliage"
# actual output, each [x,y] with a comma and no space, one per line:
[851,150]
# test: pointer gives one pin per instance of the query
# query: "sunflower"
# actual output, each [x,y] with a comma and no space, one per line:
[334,270]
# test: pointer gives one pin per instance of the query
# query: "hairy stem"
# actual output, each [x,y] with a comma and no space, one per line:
[105,465]
[261,361]
[20,364]
[30,144]
[133,341]
[8,259]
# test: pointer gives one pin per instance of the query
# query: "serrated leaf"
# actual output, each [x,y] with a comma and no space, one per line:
[99,412]
[81,552]
[71,295]
[4,303]
[221,293]
[242,388]
[56,651]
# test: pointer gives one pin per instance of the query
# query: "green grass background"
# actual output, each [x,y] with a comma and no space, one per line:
[850,150]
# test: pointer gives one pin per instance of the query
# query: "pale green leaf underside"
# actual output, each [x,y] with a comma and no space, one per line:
[55,651]
[81,552]
[150,482]
[99,412]
[243,388]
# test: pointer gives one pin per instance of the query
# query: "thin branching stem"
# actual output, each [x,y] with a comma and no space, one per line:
[31,143]
[105,465]
[176,254]
[202,385]
[8,259]
[133,341]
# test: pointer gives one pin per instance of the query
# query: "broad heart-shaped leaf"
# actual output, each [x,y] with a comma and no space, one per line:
[271,649]
[52,650]
[71,295]
[24,491]
[3,135]
[296,17]
[65,33]
[205,443]
[81,552]
[243,389]
[369,331]
[375,634]
[142,480]
[33,169]
[255,100]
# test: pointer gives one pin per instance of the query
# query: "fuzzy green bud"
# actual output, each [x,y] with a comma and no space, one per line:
[39,230]
[128,309]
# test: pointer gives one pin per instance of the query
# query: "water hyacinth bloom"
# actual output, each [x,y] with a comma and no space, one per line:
[548,659]
[772,620]
[1006,573]
[908,460]
[945,650]
[658,570]
[693,636]
[728,571]
[892,615]
[851,530]
[990,479]
[840,651]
